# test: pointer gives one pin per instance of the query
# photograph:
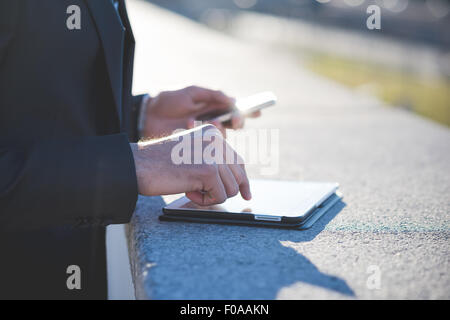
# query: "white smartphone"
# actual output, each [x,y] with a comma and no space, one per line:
[244,106]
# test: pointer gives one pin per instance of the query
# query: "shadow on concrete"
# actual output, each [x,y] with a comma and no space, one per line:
[307,272]
[242,262]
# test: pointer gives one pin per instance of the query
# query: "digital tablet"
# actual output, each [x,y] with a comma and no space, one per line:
[274,203]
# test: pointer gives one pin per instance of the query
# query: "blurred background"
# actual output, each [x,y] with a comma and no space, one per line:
[405,64]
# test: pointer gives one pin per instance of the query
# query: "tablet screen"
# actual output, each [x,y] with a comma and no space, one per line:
[269,197]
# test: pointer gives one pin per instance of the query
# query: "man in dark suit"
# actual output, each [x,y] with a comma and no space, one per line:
[69,161]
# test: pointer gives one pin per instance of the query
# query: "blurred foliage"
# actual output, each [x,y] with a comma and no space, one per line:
[429,97]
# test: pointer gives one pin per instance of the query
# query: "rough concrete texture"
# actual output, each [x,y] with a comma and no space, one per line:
[393,168]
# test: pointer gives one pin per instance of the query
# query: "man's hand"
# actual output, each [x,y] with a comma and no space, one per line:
[179,109]
[205,184]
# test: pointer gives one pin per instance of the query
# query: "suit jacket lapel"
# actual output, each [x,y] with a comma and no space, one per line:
[126,21]
[128,122]
[111,33]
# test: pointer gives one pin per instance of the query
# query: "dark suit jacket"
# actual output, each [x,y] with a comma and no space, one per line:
[66,119]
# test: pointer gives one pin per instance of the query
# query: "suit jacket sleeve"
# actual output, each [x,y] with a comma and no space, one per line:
[82,180]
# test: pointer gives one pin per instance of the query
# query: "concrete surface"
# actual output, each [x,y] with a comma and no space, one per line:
[120,281]
[393,168]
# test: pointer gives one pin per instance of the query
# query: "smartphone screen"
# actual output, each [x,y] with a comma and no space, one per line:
[245,106]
